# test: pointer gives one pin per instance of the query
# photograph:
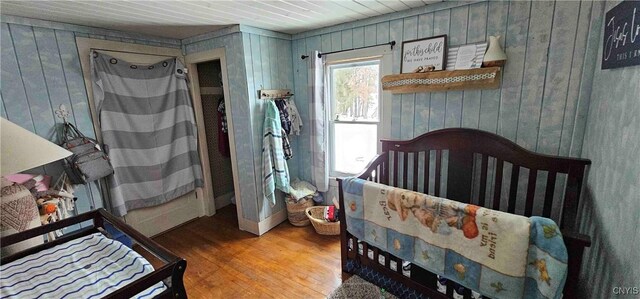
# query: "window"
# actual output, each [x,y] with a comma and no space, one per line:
[356,122]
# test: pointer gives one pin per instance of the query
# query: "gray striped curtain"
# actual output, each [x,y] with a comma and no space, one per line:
[149,129]
[318,124]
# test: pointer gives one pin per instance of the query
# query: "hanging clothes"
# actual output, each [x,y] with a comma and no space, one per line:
[223,131]
[222,112]
[294,117]
[286,127]
[275,173]
[148,124]
[284,115]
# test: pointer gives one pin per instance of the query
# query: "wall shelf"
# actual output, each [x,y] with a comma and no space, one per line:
[481,78]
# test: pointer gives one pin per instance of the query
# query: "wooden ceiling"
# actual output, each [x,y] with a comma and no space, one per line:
[185,18]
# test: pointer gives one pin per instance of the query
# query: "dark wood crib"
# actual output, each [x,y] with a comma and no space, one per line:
[480,168]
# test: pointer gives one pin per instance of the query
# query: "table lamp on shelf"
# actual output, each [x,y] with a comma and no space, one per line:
[21,150]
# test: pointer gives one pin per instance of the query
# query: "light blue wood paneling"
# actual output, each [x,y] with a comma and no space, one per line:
[612,142]
[542,111]
[40,71]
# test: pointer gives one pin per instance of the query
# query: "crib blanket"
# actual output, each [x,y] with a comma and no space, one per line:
[87,267]
[497,254]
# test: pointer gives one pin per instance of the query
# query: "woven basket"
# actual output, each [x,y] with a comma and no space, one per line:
[296,210]
[322,226]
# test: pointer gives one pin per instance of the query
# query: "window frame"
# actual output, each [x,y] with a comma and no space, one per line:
[383,55]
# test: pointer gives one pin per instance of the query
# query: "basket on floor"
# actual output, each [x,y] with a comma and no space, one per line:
[296,210]
[323,227]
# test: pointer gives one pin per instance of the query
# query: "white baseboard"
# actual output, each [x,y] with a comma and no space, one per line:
[259,228]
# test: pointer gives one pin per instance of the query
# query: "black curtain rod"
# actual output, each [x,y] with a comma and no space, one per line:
[391,43]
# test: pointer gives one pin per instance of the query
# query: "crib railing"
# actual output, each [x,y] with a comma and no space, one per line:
[485,169]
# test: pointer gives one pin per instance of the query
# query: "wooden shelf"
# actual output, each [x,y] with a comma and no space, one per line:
[482,78]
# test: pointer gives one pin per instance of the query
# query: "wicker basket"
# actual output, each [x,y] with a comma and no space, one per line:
[322,226]
[296,210]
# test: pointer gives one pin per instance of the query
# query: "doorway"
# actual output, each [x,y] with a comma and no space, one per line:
[210,81]
[216,83]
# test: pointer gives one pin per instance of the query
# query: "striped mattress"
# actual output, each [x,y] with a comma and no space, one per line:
[89,267]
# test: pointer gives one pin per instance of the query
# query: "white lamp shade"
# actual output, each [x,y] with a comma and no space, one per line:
[22,150]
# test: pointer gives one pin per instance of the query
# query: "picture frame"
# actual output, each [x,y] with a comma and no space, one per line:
[425,54]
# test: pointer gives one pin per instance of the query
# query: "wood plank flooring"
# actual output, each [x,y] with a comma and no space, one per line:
[224,262]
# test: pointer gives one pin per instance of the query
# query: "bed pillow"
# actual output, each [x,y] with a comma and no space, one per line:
[18,212]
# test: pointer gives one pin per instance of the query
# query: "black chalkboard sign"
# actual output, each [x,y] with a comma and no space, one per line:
[621,45]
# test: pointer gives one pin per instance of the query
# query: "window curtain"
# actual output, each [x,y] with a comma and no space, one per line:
[149,131]
[318,124]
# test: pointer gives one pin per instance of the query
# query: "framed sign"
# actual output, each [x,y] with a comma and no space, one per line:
[621,44]
[427,54]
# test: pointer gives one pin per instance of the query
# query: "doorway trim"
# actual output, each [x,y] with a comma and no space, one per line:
[191,61]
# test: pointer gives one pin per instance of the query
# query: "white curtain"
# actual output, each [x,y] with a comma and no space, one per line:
[318,124]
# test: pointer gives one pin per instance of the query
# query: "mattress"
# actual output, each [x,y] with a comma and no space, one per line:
[89,267]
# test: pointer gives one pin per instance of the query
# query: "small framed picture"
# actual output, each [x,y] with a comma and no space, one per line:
[424,55]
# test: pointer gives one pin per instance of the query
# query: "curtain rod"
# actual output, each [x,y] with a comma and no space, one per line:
[130,52]
[391,43]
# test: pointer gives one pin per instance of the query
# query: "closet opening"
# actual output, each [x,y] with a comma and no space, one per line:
[211,82]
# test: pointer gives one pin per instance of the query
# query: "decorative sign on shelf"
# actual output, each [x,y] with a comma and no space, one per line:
[427,54]
[466,56]
[621,45]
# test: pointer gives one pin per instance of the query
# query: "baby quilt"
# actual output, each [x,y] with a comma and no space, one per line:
[497,254]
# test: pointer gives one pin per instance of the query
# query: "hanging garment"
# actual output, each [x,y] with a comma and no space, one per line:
[223,136]
[284,115]
[223,119]
[294,116]
[148,126]
[286,128]
[318,124]
[275,173]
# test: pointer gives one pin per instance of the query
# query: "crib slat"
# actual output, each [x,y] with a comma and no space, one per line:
[548,194]
[395,168]
[531,191]
[483,180]
[415,171]
[405,162]
[427,160]
[497,189]
[513,188]
[438,169]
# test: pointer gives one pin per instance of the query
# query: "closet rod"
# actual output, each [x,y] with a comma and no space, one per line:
[129,52]
[391,43]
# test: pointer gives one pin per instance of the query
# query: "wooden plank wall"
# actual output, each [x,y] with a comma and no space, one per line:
[611,204]
[256,59]
[537,104]
[40,71]
[243,128]
[268,64]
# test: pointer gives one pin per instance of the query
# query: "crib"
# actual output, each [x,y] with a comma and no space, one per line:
[477,167]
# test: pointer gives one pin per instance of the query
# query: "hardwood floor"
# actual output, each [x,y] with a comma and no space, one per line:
[224,262]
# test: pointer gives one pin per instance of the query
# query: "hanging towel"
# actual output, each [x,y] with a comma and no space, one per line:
[294,116]
[275,173]
[148,125]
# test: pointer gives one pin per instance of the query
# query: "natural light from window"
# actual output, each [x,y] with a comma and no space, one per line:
[355,116]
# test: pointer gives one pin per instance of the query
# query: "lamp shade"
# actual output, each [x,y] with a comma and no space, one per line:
[22,150]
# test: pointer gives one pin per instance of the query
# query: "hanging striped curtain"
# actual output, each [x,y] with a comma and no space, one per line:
[149,131]
[318,124]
